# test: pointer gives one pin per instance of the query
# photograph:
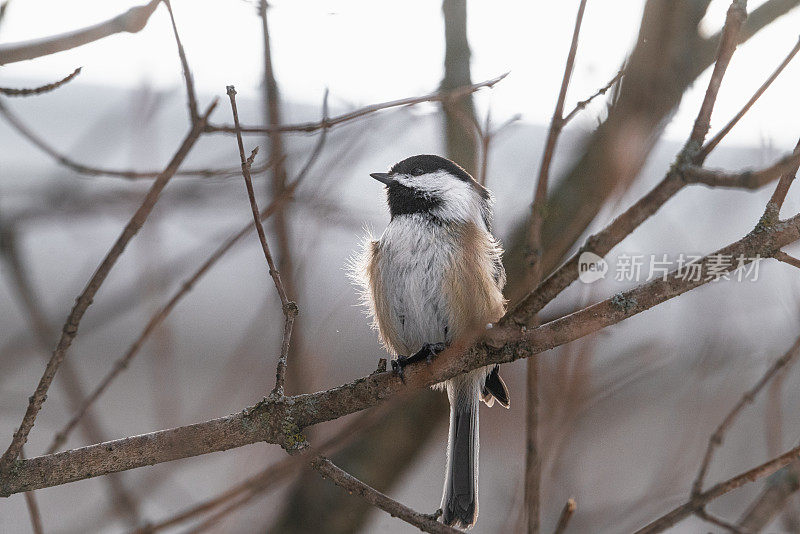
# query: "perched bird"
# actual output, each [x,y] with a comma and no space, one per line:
[434,275]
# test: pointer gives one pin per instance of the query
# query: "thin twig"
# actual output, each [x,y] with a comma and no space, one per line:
[273,272]
[7,91]
[533,251]
[191,97]
[685,510]
[566,515]
[439,96]
[719,434]
[45,334]
[80,168]
[602,242]
[737,14]
[289,307]
[714,141]
[131,21]
[86,297]
[424,522]
[580,106]
[159,316]
[533,459]
[773,210]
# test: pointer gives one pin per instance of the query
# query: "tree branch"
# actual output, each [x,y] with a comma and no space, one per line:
[719,434]
[7,91]
[86,297]
[131,21]
[712,144]
[191,98]
[279,420]
[80,168]
[341,478]
[438,96]
[159,316]
[697,503]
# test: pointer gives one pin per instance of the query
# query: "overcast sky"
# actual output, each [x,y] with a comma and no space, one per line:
[367,51]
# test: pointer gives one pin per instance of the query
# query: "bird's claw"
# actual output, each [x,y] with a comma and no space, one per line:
[435,515]
[399,365]
[427,352]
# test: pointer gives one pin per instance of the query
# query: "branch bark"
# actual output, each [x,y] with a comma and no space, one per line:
[131,21]
[281,420]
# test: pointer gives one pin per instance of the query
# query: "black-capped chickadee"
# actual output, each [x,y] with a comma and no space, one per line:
[434,275]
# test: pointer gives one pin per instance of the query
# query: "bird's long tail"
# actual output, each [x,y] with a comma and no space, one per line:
[460,497]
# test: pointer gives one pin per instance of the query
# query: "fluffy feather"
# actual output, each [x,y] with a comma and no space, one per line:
[434,275]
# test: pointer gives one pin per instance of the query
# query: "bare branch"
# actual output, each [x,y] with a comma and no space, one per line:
[131,21]
[275,420]
[159,316]
[84,300]
[714,141]
[45,334]
[7,91]
[80,168]
[289,308]
[737,14]
[439,96]
[697,503]
[786,258]
[580,106]
[534,272]
[719,434]
[273,272]
[194,114]
[245,491]
[601,243]
[773,210]
[344,480]
[33,508]
[745,179]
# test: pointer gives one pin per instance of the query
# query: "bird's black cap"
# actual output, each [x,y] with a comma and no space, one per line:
[427,163]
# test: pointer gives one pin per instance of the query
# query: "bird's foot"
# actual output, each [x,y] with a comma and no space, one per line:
[427,352]
[435,515]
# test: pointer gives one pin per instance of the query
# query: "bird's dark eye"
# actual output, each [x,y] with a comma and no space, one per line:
[417,171]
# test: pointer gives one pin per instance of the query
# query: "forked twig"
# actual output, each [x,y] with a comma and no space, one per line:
[289,307]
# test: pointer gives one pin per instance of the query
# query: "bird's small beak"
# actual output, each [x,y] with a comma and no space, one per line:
[383,177]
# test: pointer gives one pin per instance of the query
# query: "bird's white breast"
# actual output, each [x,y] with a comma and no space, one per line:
[415,255]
